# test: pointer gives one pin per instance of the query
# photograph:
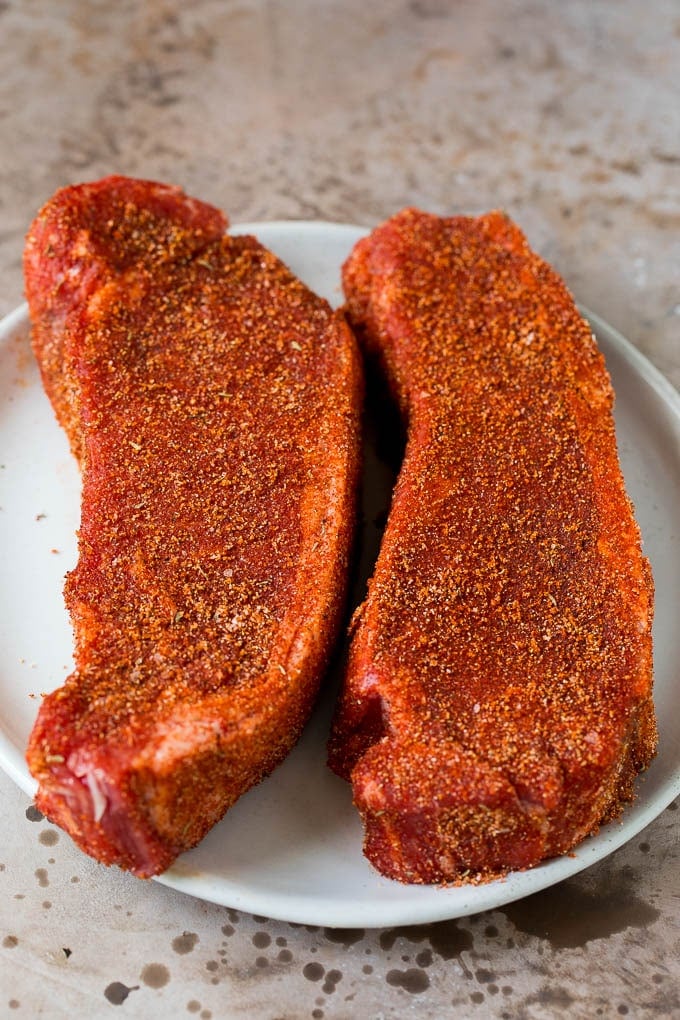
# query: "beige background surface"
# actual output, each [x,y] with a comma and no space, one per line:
[567,116]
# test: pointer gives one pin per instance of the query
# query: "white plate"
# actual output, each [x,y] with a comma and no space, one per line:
[291,848]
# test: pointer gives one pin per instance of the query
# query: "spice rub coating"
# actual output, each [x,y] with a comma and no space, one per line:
[497,700]
[213,402]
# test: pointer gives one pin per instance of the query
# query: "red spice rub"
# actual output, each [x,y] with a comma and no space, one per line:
[497,702]
[213,402]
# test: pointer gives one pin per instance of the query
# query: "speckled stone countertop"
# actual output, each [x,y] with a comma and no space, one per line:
[567,116]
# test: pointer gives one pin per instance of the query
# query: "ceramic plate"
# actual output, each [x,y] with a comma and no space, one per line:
[291,848]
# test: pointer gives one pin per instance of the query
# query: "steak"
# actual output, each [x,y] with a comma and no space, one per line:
[213,403]
[497,700]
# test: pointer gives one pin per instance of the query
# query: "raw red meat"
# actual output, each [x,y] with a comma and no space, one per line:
[497,703]
[213,402]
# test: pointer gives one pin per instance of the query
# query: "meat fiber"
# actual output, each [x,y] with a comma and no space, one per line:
[497,702]
[213,403]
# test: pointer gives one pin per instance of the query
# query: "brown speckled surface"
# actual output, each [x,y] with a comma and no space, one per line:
[564,114]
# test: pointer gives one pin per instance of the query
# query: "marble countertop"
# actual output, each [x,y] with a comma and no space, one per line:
[566,116]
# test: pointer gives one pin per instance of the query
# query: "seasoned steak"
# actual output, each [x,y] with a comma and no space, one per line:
[213,403]
[497,702]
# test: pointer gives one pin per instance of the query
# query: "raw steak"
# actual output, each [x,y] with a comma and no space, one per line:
[213,403]
[497,702]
